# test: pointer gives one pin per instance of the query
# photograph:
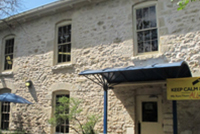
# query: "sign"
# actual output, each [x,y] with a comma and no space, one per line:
[183,88]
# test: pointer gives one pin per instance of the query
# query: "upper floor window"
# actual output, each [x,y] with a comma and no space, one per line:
[63,43]
[146,30]
[8,53]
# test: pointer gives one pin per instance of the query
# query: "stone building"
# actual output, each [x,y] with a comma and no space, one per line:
[52,44]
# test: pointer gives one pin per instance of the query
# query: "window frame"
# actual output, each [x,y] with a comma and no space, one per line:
[60,24]
[9,37]
[59,92]
[139,6]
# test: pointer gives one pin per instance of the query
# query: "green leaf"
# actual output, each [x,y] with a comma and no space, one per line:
[69,109]
[183,3]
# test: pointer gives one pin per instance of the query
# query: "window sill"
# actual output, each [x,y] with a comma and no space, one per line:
[146,56]
[9,132]
[6,73]
[62,66]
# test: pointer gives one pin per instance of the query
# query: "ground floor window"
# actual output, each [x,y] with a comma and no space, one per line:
[5,115]
[4,111]
[63,125]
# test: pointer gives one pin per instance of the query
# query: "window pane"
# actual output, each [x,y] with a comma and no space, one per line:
[140,47]
[152,17]
[60,38]
[146,17]
[147,35]
[8,62]
[69,33]
[155,45]
[64,53]
[149,112]
[147,46]
[138,13]
[6,50]
[154,34]
[64,34]
[139,24]
[68,48]
[68,57]
[59,58]
[146,22]
[64,57]
[67,128]
[140,37]
[57,129]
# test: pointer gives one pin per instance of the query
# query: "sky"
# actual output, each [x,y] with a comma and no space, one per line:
[30,4]
[25,5]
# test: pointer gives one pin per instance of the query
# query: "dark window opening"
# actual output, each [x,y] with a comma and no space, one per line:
[146,27]
[149,112]
[5,115]
[9,49]
[64,44]
[63,126]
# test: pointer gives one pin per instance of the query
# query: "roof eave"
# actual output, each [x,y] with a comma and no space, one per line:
[43,10]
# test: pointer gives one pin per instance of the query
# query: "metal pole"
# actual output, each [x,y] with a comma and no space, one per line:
[105,108]
[175,130]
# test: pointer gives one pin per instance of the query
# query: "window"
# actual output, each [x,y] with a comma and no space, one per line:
[5,111]
[63,126]
[5,115]
[149,112]
[146,31]
[63,43]
[8,53]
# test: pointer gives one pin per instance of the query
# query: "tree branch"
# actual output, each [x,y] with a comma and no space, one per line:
[73,129]
[79,124]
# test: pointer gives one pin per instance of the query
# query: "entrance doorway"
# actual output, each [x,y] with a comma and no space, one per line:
[149,114]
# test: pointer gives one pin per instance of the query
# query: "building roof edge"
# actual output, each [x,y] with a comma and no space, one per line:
[45,9]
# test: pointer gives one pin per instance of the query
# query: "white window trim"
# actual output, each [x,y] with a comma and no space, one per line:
[62,23]
[138,6]
[59,92]
[3,54]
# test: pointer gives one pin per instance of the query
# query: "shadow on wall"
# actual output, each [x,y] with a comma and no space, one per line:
[33,93]
[23,122]
[20,118]
[127,98]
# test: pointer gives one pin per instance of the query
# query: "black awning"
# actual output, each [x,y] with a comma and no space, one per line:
[145,73]
[111,76]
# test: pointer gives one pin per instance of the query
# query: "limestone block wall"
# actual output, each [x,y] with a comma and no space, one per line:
[102,36]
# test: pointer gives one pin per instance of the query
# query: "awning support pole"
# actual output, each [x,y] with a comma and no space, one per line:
[105,108]
[175,130]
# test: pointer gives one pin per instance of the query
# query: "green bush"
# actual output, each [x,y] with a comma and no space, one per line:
[68,109]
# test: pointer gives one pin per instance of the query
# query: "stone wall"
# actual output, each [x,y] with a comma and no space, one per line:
[102,37]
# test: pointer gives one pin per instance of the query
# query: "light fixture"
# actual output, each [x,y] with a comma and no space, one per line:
[28,83]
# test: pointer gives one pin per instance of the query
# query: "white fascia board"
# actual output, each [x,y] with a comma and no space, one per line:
[52,7]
